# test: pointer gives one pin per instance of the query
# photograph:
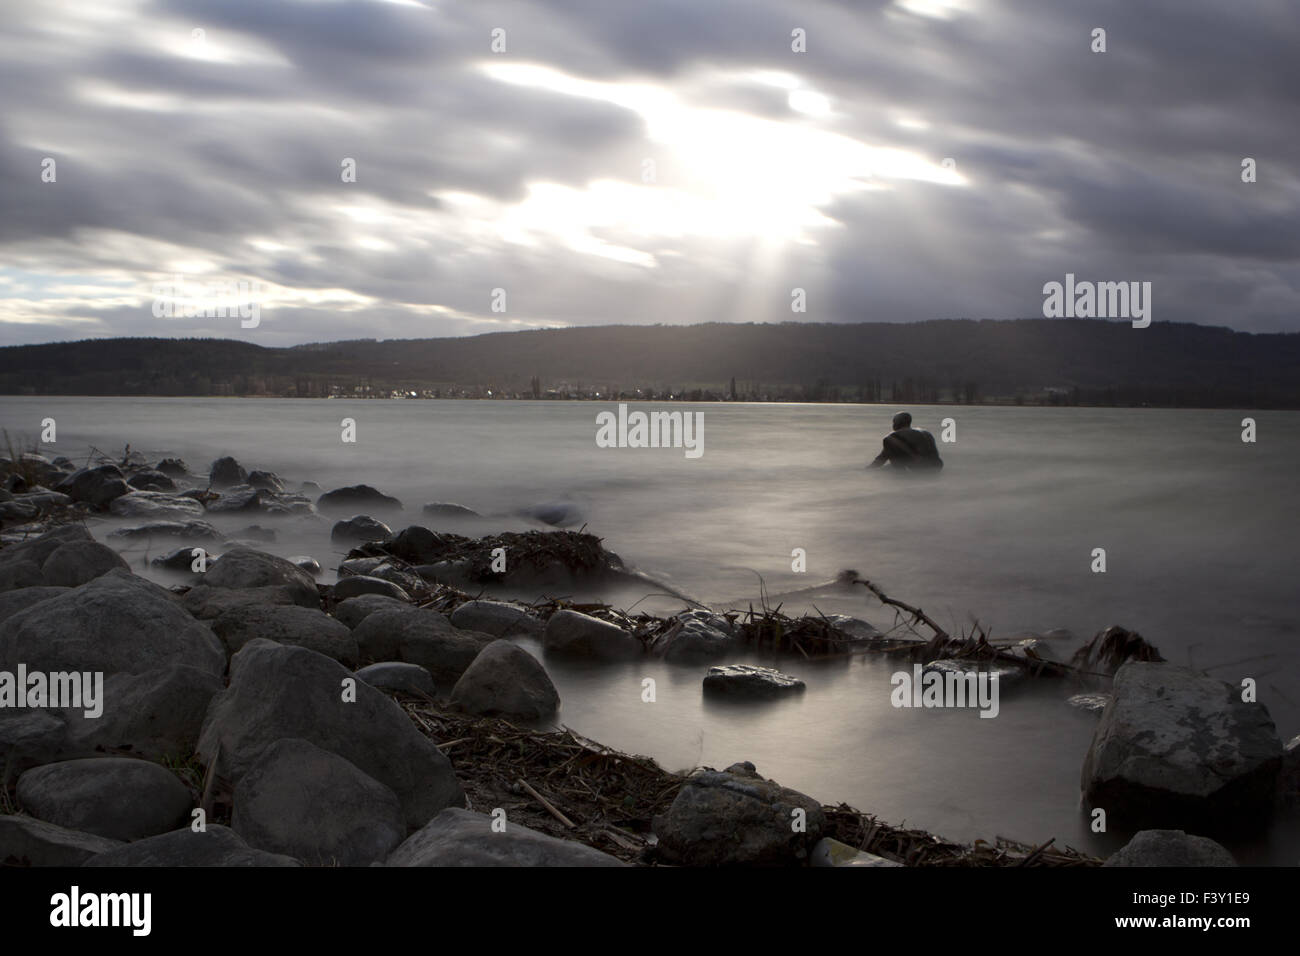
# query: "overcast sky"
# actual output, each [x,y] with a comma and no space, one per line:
[640,161]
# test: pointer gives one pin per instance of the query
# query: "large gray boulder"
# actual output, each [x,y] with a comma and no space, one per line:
[11,602]
[96,487]
[1170,848]
[419,636]
[77,562]
[214,846]
[574,634]
[399,676]
[505,680]
[279,691]
[354,610]
[287,624]
[244,568]
[311,804]
[26,841]
[115,797]
[156,714]
[458,837]
[1176,748]
[737,818]
[115,623]
[496,618]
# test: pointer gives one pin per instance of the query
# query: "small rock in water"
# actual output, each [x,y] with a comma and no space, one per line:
[357,496]
[747,680]
[266,480]
[226,472]
[1005,674]
[173,467]
[448,509]
[151,481]
[360,528]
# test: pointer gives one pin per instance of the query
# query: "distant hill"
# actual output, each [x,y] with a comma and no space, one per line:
[1059,360]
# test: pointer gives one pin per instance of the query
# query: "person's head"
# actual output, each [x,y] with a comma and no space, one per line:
[902,420]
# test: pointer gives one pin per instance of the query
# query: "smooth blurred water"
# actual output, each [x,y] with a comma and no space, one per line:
[1199,530]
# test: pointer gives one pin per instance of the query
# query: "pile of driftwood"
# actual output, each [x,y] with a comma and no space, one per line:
[567,786]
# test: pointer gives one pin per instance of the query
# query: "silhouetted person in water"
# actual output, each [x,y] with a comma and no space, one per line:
[908,448]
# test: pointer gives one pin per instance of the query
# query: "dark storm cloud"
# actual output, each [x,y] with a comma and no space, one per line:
[1123,165]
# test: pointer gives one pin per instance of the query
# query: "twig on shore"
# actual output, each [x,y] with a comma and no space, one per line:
[546,804]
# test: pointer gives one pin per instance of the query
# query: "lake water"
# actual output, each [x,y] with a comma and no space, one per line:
[1199,530]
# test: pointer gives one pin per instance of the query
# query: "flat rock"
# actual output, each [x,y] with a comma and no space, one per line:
[1176,748]
[287,624]
[355,497]
[398,676]
[278,691]
[496,618]
[26,841]
[457,837]
[580,635]
[214,846]
[114,797]
[308,803]
[448,509]
[183,530]
[749,681]
[505,680]
[155,505]
[1170,848]
[357,584]
[737,818]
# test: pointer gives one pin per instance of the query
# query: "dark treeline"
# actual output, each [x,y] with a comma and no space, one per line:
[1032,361]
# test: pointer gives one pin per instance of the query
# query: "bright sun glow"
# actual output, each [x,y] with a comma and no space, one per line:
[719,173]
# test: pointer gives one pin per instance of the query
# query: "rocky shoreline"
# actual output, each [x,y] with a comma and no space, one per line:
[253,716]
